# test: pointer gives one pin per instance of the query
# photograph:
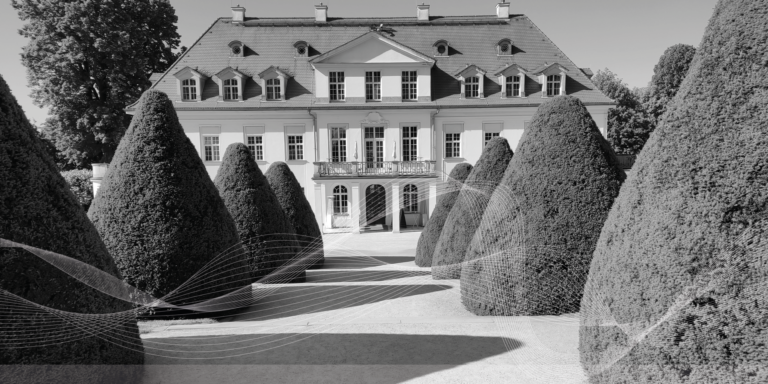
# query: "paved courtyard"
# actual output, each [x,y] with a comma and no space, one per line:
[368,316]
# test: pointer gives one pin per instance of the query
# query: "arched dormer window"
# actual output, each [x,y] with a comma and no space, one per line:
[504,47]
[472,80]
[512,81]
[302,48]
[189,90]
[231,83]
[553,78]
[190,84]
[236,49]
[441,48]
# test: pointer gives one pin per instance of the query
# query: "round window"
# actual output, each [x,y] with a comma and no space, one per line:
[236,50]
[441,49]
[301,50]
[504,48]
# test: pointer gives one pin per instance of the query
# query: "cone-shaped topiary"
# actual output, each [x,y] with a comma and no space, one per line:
[264,229]
[531,252]
[38,209]
[299,212]
[677,287]
[448,194]
[160,215]
[467,212]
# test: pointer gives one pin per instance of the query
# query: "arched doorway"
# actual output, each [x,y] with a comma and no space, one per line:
[375,205]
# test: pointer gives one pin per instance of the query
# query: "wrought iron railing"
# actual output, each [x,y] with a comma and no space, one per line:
[379,168]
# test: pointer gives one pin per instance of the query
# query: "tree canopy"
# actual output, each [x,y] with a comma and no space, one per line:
[87,60]
[628,124]
[676,290]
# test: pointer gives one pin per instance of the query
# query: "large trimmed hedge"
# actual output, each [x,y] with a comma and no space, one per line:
[299,212]
[38,209]
[531,253]
[448,195]
[264,229]
[465,216]
[160,215]
[677,286]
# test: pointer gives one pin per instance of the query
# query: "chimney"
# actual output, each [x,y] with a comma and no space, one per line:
[422,12]
[238,14]
[321,13]
[502,10]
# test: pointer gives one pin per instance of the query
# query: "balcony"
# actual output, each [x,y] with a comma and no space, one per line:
[375,169]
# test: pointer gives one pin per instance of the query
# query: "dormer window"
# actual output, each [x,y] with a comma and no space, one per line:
[190,84]
[512,87]
[236,49]
[273,89]
[230,82]
[553,85]
[512,80]
[189,90]
[504,47]
[302,48]
[553,79]
[273,82]
[441,48]
[472,79]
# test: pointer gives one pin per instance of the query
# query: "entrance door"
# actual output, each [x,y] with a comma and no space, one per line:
[375,205]
[374,149]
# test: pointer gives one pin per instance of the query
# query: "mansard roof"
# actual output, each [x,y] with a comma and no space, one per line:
[270,42]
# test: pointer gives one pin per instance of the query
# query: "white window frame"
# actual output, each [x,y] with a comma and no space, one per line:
[455,148]
[411,198]
[340,200]
[337,86]
[373,86]
[488,136]
[215,153]
[409,135]
[553,91]
[189,90]
[273,89]
[338,144]
[232,89]
[295,143]
[472,87]
[409,87]
[509,87]
[257,147]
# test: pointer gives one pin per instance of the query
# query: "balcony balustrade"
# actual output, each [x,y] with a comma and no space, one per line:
[375,169]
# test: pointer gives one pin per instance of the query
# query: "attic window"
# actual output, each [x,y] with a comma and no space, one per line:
[441,48]
[504,48]
[236,49]
[302,48]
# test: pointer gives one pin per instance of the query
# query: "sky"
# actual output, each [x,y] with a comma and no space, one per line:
[626,36]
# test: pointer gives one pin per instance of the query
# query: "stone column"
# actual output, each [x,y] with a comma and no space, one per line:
[318,205]
[354,208]
[395,207]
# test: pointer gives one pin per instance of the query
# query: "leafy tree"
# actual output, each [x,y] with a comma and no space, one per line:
[465,216]
[38,209]
[677,286]
[431,233]
[262,225]
[300,214]
[161,216]
[86,60]
[628,125]
[79,181]
[531,252]
[668,75]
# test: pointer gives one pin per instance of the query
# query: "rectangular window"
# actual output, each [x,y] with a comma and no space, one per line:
[472,87]
[409,85]
[513,86]
[452,145]
[411,198]
[373,86]
[553,85]
[338,144]
[273,89]
[189,90]
[410,143]
[295,147]
[336,82]
[489,136]
[231,91]
[211,148]
[256,145]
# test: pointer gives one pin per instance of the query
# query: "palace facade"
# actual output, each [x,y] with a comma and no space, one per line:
[370,114]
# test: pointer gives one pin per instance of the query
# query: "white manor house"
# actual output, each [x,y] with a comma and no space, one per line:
[371,114]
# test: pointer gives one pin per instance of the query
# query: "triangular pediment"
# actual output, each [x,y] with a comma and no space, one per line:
[469,71]
[511,70]
[188,73]
[372,48]
[549,69]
